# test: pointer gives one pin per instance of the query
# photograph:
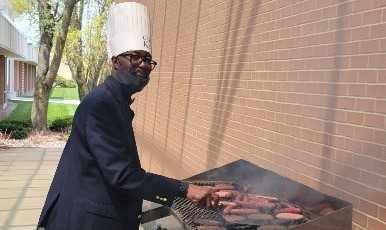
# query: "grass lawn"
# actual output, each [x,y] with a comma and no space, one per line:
[65,93]
[55,110]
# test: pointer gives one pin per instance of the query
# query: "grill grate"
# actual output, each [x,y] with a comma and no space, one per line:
[187,212]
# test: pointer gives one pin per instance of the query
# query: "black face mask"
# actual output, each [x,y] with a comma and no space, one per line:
[130,83]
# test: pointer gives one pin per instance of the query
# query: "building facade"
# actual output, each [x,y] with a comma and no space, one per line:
[18,60]
[297,87]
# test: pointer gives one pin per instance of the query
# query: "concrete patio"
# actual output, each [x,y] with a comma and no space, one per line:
[25,176]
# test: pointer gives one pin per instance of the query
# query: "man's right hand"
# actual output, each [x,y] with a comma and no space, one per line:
[202,196]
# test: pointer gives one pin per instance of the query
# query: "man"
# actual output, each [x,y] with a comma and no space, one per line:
[99,183]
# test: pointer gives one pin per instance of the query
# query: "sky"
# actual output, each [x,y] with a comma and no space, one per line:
[28,29]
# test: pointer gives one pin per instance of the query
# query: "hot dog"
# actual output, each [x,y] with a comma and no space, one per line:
[227,210]
[246,198]
[227,193]
[295,210]
[223,187]
[263,197]
[227,203]
[255,204]
[239,197]
[289,216]
[244,211]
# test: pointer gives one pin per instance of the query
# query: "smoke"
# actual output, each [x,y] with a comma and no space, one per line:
[262,181]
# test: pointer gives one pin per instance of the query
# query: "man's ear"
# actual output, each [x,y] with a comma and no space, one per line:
[115,61]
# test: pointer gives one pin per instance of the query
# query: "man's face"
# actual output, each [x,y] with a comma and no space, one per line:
[138,62]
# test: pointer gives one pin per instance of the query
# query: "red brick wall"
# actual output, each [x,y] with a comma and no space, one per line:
[16,77]
[297,87]
[25,78]
[2,78]
[19,76]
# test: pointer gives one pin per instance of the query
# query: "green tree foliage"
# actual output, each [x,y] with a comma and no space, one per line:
[85,50]
[23,6]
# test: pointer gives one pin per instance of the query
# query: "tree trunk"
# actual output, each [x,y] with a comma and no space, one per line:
[83,90]
[46,73]
[46,25]
[76,62]
[86,56]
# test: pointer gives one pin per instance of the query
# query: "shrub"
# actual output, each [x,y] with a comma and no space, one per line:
[8,126]
[61,124]
[16,129]
[60,81]
[20,133]
[64,83]
[71,84]
[5,127]
[22,123]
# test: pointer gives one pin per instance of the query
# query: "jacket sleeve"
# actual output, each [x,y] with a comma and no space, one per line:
[107,141]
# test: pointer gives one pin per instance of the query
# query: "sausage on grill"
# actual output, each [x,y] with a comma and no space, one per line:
[263,197]
[227,209]
[227,193]
[239,197]
[224,187]
[254,204]
[292,209]
[289,216]
[243,211]
[246,198]
[226,203]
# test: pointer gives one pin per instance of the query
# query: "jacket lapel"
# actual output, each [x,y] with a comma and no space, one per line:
[124,102]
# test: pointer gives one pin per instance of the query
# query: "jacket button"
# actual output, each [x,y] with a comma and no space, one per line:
[157,197]
[139,216]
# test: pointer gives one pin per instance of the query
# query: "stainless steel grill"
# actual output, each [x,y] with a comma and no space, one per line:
[265,182]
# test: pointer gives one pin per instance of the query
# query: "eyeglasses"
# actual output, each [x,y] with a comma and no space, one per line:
[137,60]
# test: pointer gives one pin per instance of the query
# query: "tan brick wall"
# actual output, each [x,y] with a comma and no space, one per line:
[297,87]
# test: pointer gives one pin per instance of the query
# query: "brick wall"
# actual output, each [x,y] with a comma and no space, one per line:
[2,78]
[19,75]
[25,78]
[295,86]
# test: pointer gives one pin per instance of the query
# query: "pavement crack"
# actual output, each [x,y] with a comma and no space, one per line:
[11,163]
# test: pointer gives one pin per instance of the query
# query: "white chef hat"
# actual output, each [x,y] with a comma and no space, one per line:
[128,28]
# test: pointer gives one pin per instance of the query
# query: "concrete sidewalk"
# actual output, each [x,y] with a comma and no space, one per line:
[25,177]
[53,100]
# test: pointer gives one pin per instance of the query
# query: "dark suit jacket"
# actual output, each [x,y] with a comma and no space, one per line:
[99,182]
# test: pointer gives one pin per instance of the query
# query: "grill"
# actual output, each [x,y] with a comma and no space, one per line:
[261,181]
[188,213]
